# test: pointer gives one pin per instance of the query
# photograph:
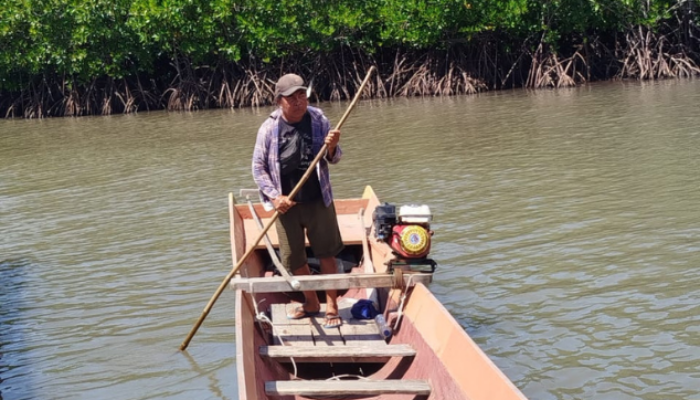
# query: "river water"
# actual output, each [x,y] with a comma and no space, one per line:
[567,231]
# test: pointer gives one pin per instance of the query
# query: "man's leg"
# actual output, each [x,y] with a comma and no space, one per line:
[293,253]
[328,267]
[311,303]
[326,242]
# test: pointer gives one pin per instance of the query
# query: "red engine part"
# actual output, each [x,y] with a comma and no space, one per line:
[410,241]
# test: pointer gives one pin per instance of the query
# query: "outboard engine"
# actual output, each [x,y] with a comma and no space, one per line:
[407,233]
[411,234]
[384,219]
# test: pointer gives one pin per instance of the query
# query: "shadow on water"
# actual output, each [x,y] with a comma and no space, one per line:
[214,383]
[13,280]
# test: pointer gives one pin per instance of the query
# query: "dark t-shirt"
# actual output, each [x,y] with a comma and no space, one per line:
[311,190]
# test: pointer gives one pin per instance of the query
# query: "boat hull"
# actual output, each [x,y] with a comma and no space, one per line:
[446,364]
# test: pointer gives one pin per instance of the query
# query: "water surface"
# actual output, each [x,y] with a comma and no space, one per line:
[567,231]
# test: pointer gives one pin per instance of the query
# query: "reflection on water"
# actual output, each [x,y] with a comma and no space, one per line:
[567,229]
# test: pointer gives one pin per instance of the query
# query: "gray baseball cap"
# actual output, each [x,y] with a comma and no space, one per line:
[288,84]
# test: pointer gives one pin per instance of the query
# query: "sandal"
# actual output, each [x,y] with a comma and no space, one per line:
[300,313]
[333,321]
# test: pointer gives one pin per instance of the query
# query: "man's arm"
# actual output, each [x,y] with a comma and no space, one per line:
[261,169]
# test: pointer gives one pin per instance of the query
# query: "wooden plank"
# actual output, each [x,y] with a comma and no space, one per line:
[346,211]
[348,224]
[237,231]
[325,282]
[294,332]
[350,229]
[294,335]
[346,387]
[356,331]
[396,350]
[334,360]
[280,312]
[252,232]
[310,331]
[305,331]
[245,348]
[349,206]
[342,206]
[324,337]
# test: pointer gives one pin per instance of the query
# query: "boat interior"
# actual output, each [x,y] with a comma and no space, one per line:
[283,358]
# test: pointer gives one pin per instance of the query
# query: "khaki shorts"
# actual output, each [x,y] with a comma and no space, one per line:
[321,226]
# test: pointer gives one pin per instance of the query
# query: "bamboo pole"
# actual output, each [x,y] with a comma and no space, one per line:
[262,233]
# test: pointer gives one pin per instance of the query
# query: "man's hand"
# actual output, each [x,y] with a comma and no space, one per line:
[283,204]
[331,141]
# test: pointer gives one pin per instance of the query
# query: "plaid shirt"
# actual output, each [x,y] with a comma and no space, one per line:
[266,163]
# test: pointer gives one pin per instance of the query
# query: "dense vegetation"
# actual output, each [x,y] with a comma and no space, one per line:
[78,57]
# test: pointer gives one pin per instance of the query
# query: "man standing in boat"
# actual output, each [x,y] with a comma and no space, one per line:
[287,142]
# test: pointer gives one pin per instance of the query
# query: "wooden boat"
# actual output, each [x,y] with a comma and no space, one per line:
[428,356]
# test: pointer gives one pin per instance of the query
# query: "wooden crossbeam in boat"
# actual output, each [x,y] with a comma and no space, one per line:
[347,388]
[325,282]
[338,353]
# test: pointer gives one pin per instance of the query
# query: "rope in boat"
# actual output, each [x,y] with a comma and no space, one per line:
[404,292]
[338,377]
[262,318]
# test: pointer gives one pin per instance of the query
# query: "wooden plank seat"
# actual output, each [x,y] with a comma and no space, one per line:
[347,388]
[325,282]
[311,332]
[357,353]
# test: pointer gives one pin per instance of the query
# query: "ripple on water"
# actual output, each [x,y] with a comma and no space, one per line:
[567,245]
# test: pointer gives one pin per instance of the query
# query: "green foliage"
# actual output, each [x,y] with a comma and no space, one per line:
[80,40]
[198,29]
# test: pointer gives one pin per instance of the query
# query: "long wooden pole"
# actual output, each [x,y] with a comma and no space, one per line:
[262,233]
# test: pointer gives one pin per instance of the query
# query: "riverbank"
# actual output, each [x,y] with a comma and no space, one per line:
[101,58]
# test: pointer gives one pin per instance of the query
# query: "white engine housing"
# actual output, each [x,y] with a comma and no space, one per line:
[414,214]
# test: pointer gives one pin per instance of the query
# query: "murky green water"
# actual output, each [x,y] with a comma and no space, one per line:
[567,230]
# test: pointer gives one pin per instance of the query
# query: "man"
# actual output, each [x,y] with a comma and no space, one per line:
[287,142]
